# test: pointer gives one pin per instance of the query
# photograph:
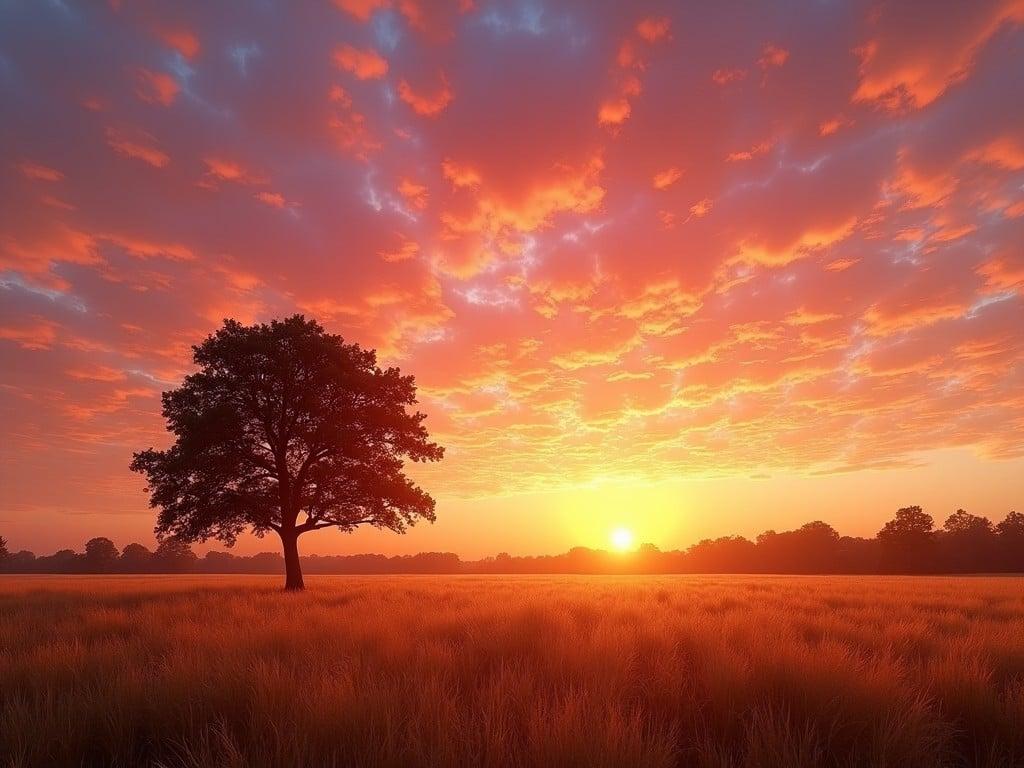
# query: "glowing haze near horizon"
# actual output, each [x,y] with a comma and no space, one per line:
[686,270]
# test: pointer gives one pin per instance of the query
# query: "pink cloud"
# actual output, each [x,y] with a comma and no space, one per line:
[156,87]
[136,145]
[365,64]
[429,103]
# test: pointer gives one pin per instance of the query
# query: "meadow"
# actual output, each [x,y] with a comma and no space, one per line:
[511,671]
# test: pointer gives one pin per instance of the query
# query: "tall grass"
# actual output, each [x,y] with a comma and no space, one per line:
[522,671]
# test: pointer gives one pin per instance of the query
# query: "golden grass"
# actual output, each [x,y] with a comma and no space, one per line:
[512,671]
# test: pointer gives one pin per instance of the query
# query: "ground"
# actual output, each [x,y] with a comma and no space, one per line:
[512,671]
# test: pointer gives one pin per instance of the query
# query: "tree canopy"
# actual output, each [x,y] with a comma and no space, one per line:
[287,428]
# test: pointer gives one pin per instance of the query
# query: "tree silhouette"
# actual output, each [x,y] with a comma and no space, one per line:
[100,555]
[135,558]
[969,541]
[4,554]
[174,555]
[907,539]
[1011,541]
[1012,525]
[283,420]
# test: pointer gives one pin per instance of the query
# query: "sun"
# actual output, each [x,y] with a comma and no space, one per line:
[622,539]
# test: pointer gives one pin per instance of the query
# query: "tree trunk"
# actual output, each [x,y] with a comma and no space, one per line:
[292,567]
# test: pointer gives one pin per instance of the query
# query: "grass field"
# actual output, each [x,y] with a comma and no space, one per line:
[521,671]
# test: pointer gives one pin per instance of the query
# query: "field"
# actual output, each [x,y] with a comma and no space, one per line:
[521,671]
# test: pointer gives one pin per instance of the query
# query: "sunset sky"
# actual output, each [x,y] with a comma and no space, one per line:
[690,270]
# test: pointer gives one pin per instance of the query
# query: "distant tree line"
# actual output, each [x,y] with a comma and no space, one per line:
[908,544]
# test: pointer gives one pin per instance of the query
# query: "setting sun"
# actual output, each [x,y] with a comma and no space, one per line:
[622,539]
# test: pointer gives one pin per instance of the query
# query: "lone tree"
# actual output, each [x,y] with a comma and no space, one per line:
[281,421]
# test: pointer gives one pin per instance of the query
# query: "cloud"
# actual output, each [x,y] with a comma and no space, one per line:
[409,249]
[273,199]
[666,178]
[156,87]
[460,175]
[37,172]
[365,64]
[224,169]
[726,76]
[415,194]
[137,145]
[749,154]
[428,104]
[911,59]
[361,9]
[33,333]
[772,56]
[614,111]
[181,40]
[653,29]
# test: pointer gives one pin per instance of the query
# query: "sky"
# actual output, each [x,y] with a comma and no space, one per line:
[692,269]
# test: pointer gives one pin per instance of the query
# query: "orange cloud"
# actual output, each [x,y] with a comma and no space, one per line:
[460,175]
[1003,273]
[832,125]
[884,321]
[414,194]
[273,199]
[409,249]
[1006,152]
[144,248]
[749,154]
[666,178]
[496,226]
[701,208]
[155,87]
[365,64]
[614,111]
[101,373]
[726,76]
[786,251]
[37,172]
[429,104]
[33,333]
[772,56]
[910,61]
[361,9]
[136,145]
[839,265]
[653,29]
[221,169]
[347,125]
[182,40]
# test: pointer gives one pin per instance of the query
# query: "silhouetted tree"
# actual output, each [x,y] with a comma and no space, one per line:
[283,420]
[727,553]
[66,561]
[175,555]
[220,562]
[968,542]
[4,554]
[21,562]
[100,555]
[907,540]
[135,558]
[1010,536]
[811,548]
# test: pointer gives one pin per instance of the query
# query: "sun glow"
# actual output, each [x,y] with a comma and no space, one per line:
[622,539]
